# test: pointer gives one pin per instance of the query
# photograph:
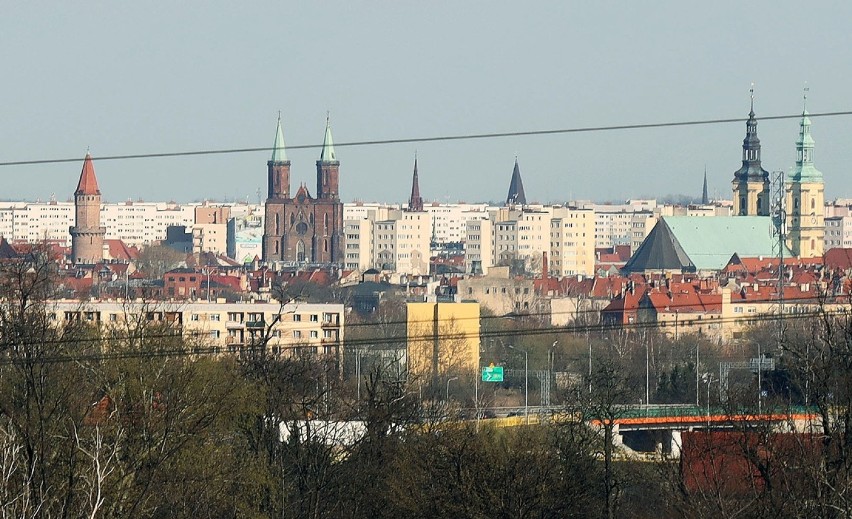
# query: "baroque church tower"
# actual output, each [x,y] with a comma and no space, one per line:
[751,181]
[300,228]
[87,235]
[805,197]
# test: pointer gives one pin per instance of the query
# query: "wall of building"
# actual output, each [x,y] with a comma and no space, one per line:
[443,339]
[230,326]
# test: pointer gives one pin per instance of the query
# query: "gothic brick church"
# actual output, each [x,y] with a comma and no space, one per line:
[300,228]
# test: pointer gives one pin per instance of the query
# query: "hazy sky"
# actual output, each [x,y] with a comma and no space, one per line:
[139,77]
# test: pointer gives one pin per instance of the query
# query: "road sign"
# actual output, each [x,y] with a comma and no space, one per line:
[492,374]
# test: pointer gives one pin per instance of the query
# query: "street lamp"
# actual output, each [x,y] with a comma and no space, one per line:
[708,379]
[448,386]
[526,382]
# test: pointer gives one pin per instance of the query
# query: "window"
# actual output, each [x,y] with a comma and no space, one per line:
[214,317]
[297,334]
[314,318]
[314,334]
[297,317]
[214,334]
[194,317]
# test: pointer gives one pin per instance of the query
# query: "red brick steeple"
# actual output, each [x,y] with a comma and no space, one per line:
[88,184]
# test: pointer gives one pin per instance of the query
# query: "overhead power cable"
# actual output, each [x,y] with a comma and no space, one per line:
[196,350]
[439,138]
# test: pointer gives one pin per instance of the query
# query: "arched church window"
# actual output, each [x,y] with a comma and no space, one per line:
[813,203]
[277,223]
[325,221]
[292,218]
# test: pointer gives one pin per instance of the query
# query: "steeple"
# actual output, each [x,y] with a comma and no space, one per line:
[415,203]
[705,198]
[751,169]
[516,188]
[327,154]
[279,150]
[278,167]
[805,170]
[88,184]
[328,167]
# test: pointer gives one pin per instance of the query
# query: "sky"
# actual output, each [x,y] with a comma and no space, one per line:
[147,77]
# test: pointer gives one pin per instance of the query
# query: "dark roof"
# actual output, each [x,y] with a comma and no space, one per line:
[659,251]
[516,188]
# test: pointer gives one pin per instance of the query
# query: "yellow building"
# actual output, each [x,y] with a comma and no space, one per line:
[443,338]
[805,198]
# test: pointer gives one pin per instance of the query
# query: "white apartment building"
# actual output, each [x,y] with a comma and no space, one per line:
[229,326]
[358,244]
[838,232]
[572,247]
[387,239]
[523,235]
[402,243]
[449,221]
[134,223]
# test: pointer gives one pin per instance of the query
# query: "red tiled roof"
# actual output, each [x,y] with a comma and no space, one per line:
[88,184]
[838,258]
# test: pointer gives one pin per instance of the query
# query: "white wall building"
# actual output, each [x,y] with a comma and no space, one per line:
[523,235]
[387,239]
[135,223]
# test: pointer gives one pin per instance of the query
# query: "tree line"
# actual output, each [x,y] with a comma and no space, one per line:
[259,435]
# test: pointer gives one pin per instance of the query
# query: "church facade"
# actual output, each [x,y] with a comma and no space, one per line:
[300,228]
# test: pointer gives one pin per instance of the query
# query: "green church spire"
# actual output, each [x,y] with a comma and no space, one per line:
[327,154]
[805,170]
[279,150]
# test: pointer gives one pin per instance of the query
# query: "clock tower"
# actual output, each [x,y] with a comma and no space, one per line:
[805,197]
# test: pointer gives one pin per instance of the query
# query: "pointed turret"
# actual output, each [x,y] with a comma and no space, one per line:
[805,170]
[279,150]
[751,169]
[278,167]
[751,181]
[415,202]
[516,188]
[327,154]
[88,184]
[705,197]
[328,167]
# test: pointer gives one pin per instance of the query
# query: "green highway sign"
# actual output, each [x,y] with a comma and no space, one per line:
[492,374]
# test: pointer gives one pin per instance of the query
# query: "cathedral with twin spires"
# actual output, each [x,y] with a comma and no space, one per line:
[298,227]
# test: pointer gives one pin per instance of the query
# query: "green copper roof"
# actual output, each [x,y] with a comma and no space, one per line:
[327,154]
[704,242]
[805,170]
[279,151]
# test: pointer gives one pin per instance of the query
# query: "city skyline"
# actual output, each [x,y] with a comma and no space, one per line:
[385,74]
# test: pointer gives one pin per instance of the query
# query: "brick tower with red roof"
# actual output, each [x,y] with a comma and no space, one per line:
[87,235]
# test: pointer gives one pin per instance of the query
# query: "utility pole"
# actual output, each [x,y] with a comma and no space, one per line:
[780,221]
